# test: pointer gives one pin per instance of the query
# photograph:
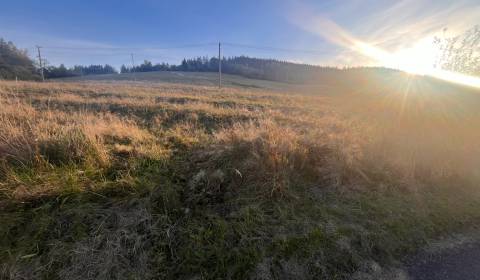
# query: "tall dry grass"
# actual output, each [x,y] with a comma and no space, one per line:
[332,176]
[68,123]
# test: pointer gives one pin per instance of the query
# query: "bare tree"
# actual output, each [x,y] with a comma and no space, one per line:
[460,53]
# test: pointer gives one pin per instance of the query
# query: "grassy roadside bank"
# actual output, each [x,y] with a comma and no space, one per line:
[172,181]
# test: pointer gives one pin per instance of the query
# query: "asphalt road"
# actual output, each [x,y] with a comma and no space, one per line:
[462,263]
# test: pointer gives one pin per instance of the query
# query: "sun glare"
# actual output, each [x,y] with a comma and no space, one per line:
[418,59]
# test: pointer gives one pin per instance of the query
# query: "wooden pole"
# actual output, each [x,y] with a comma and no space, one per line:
[133,68]
[219,65]
[40,62]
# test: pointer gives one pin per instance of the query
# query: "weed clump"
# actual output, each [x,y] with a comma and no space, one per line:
[276,159]
[17,137]
[71,146]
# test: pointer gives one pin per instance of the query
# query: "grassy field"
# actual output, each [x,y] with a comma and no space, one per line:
[189,78]
[122,180]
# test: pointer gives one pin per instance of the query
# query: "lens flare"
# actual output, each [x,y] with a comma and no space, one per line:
[418,59]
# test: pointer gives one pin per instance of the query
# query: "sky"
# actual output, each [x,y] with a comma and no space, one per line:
[307,31]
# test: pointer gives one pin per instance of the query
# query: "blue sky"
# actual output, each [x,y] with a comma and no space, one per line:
[108,31]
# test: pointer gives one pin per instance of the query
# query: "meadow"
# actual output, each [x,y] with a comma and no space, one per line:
[144,180]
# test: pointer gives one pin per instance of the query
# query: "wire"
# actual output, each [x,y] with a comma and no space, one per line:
[48,52]
[106,51]
[238,45]
[130,48]
[268,48]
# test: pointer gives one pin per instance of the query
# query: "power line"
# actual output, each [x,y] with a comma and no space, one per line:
[231,44]
[94,51]
[269,48]
[60,52]
[131,48]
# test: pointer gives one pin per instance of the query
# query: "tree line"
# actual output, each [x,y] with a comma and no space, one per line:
[199,64]
[256,68]
[61,71]
[15,63]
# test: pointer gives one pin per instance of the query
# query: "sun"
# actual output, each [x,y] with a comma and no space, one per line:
[418,59]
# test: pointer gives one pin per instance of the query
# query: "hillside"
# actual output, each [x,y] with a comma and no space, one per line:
[345,82]
[189,78]
[249,67]
[151,180]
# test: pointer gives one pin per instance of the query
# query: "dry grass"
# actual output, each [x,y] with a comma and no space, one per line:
[259,181]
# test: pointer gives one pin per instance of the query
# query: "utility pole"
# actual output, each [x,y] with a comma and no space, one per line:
[219,65]
[133,68]
[40,62]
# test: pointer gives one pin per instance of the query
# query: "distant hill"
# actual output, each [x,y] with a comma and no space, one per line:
[247,67]
[15,63]
[259,68]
